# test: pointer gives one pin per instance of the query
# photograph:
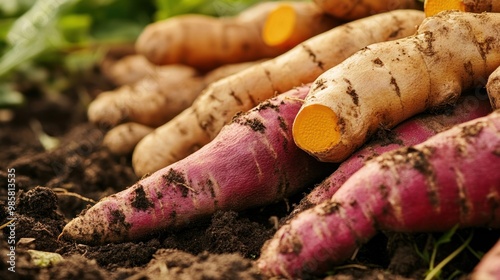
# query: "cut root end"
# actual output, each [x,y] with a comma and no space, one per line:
[279,26]
[432,7]
[316,129]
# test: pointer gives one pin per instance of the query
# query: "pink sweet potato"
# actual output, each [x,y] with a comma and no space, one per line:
[408,133]
[252,162]
[489,266]
[452,178]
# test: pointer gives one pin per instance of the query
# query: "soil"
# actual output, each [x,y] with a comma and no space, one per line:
[54,186]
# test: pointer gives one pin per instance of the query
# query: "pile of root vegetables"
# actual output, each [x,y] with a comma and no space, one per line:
[237,112]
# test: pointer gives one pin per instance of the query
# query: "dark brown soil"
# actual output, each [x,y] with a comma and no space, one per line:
[222,247]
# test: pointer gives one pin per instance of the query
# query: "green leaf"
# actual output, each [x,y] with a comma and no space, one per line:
[34,32]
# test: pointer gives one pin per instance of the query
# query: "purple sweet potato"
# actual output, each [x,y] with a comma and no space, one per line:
[252,162]
[451,178]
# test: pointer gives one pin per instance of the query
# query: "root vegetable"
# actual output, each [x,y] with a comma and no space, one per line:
[489,266]
[388,82]
[206,42]
[158,97]
[351,10]
[122,139]
[152,101]
[432,7]
[408,133]
[200,123]
[452,178]
[252,162]
[128,70]
[493,88]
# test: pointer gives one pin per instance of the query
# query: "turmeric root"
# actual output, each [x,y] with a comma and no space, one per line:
[128,70]
[158,97]
[432,7]
[386,83]
[122,139]
[152,101]
[201,122]
[206,42]
[493,88]
[351,10]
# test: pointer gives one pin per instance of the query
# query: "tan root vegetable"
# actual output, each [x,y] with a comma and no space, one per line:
[386,83]
[350,10]
[122,139]
[158,97]
[151,101]
[432,7]
[207,42]
[200,123]
[493,88]
[129,69]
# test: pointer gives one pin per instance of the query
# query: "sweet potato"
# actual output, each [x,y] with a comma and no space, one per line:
[388,82]
[451,178]
[408,133]
[199,124]
[252,162]
[351,10]
[489,266]
[207,42]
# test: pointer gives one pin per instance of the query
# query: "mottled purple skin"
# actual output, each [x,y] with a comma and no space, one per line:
[452,178]
[408,133]
[489,266]
[252,162]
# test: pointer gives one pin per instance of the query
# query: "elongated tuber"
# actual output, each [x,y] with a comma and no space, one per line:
[200,123]
[408,133]
[351,10]
[122,139]
[158,97]
[388,82]
[128,70]
[452,178]
[252,162]
[207,42]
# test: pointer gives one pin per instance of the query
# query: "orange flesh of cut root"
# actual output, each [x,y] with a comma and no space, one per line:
[279,26]
[432,7]
[315,128]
